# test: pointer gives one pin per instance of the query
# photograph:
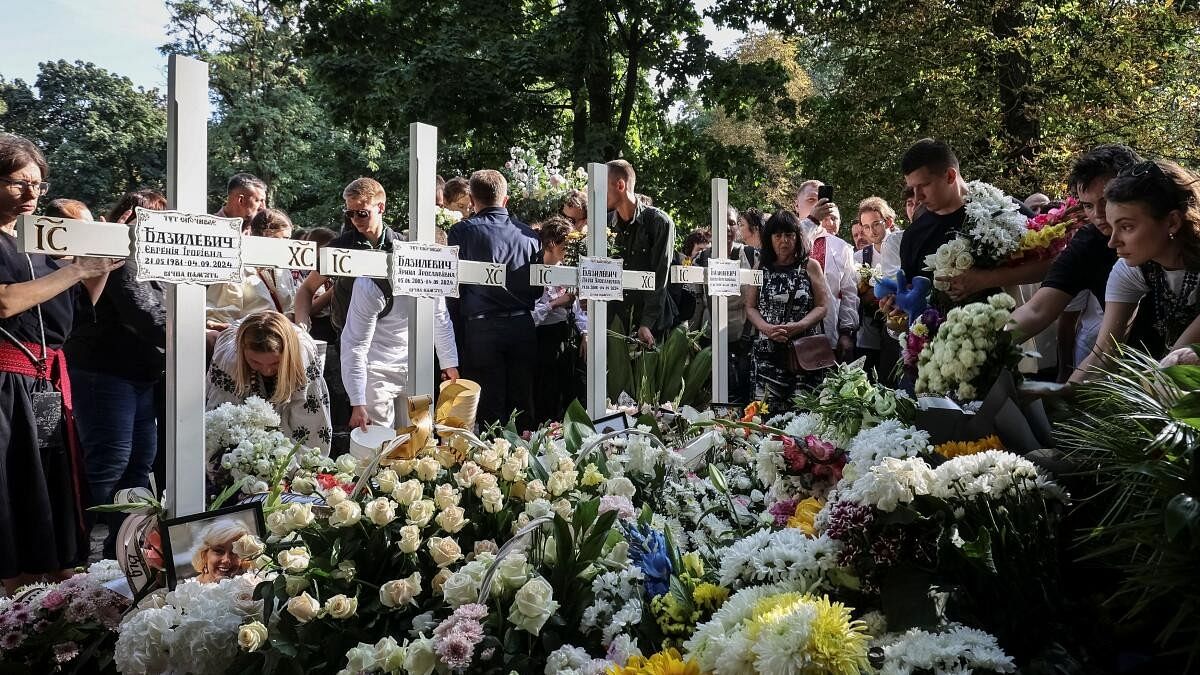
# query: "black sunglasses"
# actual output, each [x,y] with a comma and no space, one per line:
[357,213]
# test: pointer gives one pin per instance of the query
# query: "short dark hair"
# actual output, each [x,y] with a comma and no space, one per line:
[554,230]
[754,218]
[1102,161]
[620,169]
[928,153]
[488,188]
[17,151]
[321,235]
[147,199]
[782,220]
[455,188]
[694,239]
[245,181]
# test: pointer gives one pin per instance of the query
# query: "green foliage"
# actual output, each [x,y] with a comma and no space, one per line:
[101,136]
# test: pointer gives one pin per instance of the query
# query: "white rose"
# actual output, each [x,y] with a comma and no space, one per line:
[535,489]
[560,482]
[620,487]
[428,468]
[493,500]
[451,520]
[252,636]
[386,479]
[361,659]
[511,469]
[403,467]
[533,605]
[445,496]
[294,560]
[345,514]
[410,539]
[347,463]
[537,508]
[963,261]
[381,511]
[298,516]
[563,509]
[420,658]
[489,459]
[486,481]
[461,588]
[420,512]
[341,607]
[408,492]
[335,495]
[511,573]
[444,550]
[401,592]
[303,486]
[248,546]
[304,607]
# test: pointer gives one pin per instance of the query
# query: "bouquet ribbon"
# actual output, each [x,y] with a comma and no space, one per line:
[457,405]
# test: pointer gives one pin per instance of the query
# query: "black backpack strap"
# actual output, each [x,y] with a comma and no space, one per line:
[869,254]
[389,300]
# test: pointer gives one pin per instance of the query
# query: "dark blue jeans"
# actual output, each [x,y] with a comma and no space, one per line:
[116,420]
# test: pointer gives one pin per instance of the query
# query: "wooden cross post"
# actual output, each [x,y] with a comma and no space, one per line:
[723,278]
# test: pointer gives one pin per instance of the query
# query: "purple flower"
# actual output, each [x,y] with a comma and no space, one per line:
[53,600]
[11,640]
[782,511]
[455,650]
[20,614]
[470,629]
[471,610]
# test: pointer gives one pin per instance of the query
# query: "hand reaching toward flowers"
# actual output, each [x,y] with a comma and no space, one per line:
[965,284]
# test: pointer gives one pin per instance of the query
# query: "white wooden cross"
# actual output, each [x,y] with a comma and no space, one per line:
[718,279]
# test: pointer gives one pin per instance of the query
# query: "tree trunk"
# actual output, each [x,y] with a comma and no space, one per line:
[1018,100]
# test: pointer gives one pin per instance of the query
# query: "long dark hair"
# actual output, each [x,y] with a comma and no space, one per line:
[145,198]
[1164,186]
[782,221]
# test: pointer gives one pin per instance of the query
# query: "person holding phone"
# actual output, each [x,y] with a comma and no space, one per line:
[815,206]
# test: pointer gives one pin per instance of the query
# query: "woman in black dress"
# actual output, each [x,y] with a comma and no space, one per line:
[41,473]
[791,303]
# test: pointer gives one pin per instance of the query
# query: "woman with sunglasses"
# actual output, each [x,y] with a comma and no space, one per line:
[42,531]
[1154,211]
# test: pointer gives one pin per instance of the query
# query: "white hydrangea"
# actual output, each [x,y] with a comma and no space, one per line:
[890,438]
[787,555]
[955,649]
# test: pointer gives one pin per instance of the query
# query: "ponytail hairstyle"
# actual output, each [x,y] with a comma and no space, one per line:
[270,332]
[1163,186]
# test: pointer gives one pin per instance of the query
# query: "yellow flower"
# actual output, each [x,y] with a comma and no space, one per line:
[805,516]
[693,564]
[591,476]
[667,662]
[953,449]
[836,644]
[709,597]
[754,410]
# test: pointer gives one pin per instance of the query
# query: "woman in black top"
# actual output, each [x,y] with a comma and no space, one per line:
[41,484]
[791,303]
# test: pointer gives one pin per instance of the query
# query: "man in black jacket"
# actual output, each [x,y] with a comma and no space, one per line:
[499,344]
[645,236]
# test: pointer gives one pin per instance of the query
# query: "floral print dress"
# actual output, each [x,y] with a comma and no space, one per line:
[772,380]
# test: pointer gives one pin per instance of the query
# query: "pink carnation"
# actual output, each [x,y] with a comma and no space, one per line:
[455,650]
[53,600]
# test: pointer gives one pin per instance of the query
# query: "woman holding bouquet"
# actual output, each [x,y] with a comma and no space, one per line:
[41,464]
[791,303]
[267,356]
[1154,211]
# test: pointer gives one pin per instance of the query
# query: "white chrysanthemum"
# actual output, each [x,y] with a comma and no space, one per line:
[787,556]
[719,638]
[571,660]
[617,603]
[781,645]
[992,474]
[891,482]
[956,649]
[891,438]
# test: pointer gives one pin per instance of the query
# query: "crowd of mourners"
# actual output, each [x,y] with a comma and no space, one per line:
[82,336]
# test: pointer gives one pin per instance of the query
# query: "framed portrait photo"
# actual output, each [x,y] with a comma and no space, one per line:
[200,546]
[615,422]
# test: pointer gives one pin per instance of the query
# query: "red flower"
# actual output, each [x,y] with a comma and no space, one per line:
[326,480]
[821,450]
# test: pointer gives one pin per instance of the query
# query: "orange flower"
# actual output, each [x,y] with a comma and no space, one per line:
[953,449]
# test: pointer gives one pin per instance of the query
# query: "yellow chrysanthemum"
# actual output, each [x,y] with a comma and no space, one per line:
[805,516]
[838,645]
[693,564]
[952,449]
[710,597]
[771,609]
[591,476]
[667,662]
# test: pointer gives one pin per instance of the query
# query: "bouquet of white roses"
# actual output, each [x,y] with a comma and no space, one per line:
[992,233]
[970,349]
[445,219]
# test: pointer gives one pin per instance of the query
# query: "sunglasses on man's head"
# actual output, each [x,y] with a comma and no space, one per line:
[1149,167]
[357,213]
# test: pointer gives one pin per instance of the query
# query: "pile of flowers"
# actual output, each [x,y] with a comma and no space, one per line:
[847,400]
[195,624]
[993,232]
[969,350]
[46,626]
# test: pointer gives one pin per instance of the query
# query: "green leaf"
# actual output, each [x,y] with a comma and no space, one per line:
[717,478]
[696,381]
[1187,377]
[1188,408]
[576,425]
[227,493]
[620,368]
[646,516]
[1182,513]
[585,515]
[980,550]
[671,368]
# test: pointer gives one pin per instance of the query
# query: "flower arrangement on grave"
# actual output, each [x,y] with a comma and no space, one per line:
[993,232]
[247,450]
[847,400]
[969,350]
[45,627]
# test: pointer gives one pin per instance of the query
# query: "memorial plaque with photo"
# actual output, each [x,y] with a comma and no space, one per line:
[201,546]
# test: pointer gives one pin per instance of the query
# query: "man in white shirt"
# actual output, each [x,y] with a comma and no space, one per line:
[375,352]
[836,257]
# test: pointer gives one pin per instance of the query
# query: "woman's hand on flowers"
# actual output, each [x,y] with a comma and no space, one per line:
[964,284]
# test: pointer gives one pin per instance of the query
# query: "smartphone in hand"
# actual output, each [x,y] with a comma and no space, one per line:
[825,192]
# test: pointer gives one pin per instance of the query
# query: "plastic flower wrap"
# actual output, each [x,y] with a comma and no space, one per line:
[969,350]
[993,232]
[769,629]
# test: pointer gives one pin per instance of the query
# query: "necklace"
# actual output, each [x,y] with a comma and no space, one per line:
[1172,311]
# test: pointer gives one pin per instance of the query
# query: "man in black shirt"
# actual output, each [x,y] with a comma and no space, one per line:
[1085,263]
[499,344]
[645,236]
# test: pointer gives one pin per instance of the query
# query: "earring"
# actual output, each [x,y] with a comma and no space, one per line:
[1172,236]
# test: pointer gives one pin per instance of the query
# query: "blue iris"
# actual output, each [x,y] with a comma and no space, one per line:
[648,550]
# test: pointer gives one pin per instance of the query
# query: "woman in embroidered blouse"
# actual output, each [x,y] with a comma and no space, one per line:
[1154,210]
[266,356]
[791,303]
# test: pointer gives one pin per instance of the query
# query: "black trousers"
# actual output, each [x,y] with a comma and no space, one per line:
[554,373]
[501,355]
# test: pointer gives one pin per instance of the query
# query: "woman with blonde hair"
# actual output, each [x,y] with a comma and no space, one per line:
[265,355]
[214,558]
